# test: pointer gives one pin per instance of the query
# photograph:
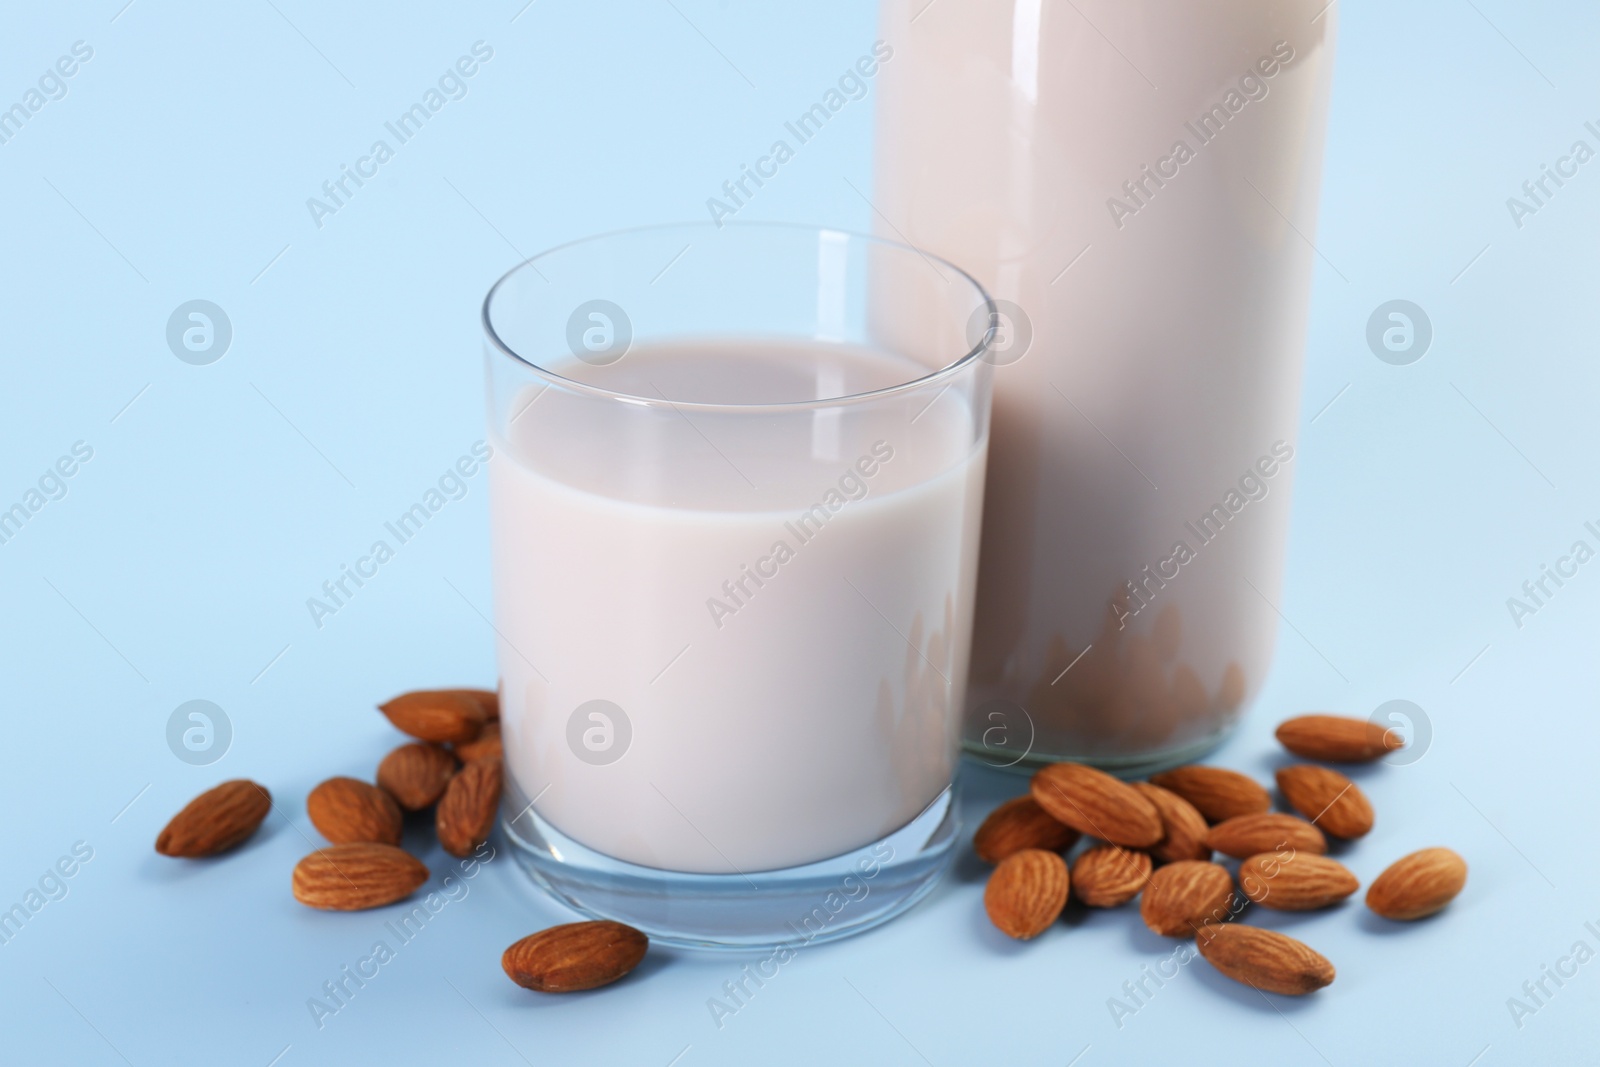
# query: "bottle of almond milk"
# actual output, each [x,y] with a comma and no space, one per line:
[1136,183]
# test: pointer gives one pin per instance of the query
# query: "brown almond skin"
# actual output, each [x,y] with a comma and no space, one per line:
[1106,876]
[1026,893]
[1217,793]
[416,774]
[1326,797]
[1418,885]
[216,820]
[1183,896]
[1269,961]
[467,809]
[1093,802]
[347,811]
[1184,828]
[1302,881]
[356,877]
[487,699]
[1338,738]
[577,956]
[487,746]
[437,715]
[1017,824]
[1265,831]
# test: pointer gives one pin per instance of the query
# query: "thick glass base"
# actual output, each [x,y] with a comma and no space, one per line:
[820,901]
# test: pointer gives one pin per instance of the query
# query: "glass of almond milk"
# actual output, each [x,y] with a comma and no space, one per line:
[735,505]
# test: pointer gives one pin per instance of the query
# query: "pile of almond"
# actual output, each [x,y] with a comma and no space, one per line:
[1155,840]
[454,767]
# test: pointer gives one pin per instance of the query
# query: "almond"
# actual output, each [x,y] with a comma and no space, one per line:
[1265,959]
[466,812]
[1184,828]
[1218,794]
[416,774]
[1418,885]
[437,715]
[346,811]
[487,746]
[216,820]
[487,699]
[1338,738]
[1092,802]
[353,877]
[1265,831]
[1327,798]
[565,959]
[1106,876]
[1026,893]
[1301,882]
[1017,824]
[1183,896]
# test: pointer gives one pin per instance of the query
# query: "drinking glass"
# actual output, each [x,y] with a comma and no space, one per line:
[736,489]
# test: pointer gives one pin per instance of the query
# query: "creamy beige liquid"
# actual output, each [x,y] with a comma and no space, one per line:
[1168,316]
[780,604]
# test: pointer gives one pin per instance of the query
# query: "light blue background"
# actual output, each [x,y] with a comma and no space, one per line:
[220,497]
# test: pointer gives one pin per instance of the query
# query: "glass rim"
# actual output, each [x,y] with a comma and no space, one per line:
[551,378]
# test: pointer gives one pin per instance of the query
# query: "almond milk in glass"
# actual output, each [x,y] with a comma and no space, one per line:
[735,507]
[1136,183]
